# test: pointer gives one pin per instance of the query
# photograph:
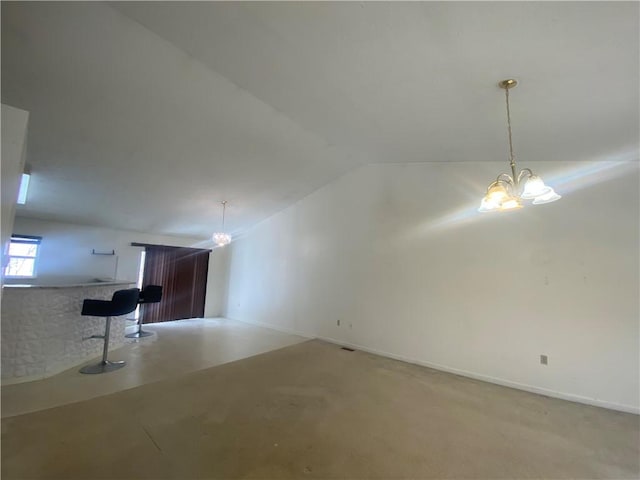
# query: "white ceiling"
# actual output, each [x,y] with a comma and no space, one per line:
[144,115]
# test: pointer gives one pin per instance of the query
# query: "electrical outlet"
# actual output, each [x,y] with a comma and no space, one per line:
[544,360]
[338,322]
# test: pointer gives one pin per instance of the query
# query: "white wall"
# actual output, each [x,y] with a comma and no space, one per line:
[65,255]
[14,133]
[399,255]
[217,282]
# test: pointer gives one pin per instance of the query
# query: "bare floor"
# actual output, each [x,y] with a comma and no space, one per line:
[312,410]
[175,348]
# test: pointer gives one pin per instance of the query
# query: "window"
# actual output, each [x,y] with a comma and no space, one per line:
[136,313]
[24,187]
[23,254]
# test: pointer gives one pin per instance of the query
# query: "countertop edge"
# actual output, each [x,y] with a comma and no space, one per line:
[71,285]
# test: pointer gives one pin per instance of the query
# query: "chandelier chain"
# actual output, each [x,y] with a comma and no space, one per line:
[512,160]
[509,126]
[224,207]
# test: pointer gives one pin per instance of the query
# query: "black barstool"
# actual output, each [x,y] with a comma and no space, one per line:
[148,294]
[122,302]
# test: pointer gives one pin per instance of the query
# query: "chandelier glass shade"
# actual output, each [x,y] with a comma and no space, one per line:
[508,191]
[220,238]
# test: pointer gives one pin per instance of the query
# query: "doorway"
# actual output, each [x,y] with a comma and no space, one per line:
[182,273]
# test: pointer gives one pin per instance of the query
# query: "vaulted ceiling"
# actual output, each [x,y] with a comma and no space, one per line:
[145,115]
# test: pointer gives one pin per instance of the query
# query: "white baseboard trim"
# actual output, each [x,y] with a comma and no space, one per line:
[498,381]
[463,373]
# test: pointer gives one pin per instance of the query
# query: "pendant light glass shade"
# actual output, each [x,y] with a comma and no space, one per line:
[220,238]
[534,187]
[488,205]
[511,203]
[508,191]
[549,197]
[499,197]
[497,194]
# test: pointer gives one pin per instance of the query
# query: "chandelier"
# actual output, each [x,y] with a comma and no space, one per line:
[221,239]
[508,191]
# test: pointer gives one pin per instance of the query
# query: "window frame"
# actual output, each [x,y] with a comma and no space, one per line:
[24,239]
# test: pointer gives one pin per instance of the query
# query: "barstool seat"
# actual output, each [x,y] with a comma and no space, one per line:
[122,302]
[148,294]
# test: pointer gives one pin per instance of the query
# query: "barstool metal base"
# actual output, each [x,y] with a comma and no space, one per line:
[138,334]
[103,367]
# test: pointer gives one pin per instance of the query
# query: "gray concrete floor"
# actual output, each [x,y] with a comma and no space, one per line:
[312,410]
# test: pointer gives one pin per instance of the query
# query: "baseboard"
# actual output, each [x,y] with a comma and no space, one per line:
[498,381]
[463,373]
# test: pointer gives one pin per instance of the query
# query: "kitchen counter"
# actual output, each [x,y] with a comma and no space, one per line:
[122,283]
[43,332]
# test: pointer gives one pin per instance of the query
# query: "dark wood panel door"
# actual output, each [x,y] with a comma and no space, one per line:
[182,272]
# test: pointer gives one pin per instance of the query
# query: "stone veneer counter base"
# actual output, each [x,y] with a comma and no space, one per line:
[43,332]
